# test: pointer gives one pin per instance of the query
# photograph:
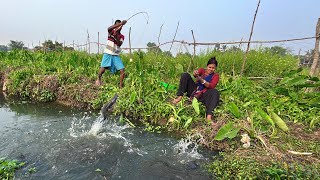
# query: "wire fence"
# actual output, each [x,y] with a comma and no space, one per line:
[305,61]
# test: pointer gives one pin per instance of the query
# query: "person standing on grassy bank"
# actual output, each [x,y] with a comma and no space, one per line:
[203,88]
[111,59]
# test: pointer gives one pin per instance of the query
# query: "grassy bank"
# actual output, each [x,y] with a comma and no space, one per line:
[8,167]
[280,113]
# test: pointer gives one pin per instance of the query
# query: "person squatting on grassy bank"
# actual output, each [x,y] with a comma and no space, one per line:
[111,59]
[204,87]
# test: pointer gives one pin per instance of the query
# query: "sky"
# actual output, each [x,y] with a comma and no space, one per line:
[68,21]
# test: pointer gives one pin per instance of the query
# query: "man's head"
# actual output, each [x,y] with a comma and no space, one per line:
[117,21]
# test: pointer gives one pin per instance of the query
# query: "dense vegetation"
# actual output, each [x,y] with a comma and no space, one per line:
[265,108]
[8,167]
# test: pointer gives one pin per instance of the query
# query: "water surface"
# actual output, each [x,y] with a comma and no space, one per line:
[64,143]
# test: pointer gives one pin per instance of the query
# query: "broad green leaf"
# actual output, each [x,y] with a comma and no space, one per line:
[297,81]
[265,116]
[279,122]
[233,108]
[227,131]
[188,122]
[195,105]
[133,97]
[179,68]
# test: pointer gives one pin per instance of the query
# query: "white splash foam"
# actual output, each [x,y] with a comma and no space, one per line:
[187,150]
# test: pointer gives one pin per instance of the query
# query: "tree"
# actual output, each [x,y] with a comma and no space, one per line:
[234,49]
[152,47]
[50,46]
[16,45]
[4,48]
[167,53]
[181,54]
[277,50]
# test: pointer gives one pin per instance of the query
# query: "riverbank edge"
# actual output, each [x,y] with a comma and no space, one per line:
[265,154]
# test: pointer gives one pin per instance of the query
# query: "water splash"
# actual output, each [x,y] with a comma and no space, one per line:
[95,128]
[187,149]
[79,127]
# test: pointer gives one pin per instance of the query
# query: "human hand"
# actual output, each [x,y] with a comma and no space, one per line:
[195,73]
[123,22]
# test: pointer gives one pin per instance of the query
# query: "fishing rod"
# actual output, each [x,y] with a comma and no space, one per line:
[106,107]
[135,15]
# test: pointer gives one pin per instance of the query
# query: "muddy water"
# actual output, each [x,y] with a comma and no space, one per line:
[63,143]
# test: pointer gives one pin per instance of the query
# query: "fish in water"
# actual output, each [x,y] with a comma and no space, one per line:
[108,106]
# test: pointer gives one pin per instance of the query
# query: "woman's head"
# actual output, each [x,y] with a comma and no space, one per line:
[212,65]
[213,61]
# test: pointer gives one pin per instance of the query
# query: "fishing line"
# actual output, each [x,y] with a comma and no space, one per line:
[146,17]
[144,13]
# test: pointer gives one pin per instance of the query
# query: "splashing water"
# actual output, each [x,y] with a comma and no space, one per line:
[95,128]
[187,150]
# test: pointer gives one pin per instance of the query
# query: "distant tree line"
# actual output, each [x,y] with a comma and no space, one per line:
[48,45]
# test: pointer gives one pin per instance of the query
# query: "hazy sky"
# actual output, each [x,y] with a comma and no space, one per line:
[66,21]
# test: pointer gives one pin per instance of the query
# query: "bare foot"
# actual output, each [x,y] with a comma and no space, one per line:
[98,82]
[178,99]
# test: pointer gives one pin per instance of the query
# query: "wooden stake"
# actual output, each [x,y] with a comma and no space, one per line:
[98,42]
[174,36]
[130,44]
[245,56]
[314,67]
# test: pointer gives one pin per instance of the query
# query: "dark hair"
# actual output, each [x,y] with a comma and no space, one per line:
[117,21]
[213,61]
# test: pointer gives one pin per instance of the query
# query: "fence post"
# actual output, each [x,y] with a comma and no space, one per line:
[314,67]
[245,56]
[194,52]
[88,41]
[174,37]
[98,42]
[130,53]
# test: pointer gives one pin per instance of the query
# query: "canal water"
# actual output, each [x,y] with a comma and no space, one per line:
[57,142]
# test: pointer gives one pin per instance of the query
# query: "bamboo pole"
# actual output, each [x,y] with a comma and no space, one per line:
[194,44]
[88,41]
[130,44]
[191,64]
[174,36]
[98,42]
[245,56]
[314,67]
[157,50]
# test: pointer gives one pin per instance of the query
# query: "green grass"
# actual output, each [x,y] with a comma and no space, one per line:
[295,97]
[8,168]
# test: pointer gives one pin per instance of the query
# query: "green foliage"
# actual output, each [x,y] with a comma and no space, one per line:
[151,81]
[233,167]
[8,168]
[227,131]
[279,122]
[276,50]
[233,108]
[153,48]
[195,105]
